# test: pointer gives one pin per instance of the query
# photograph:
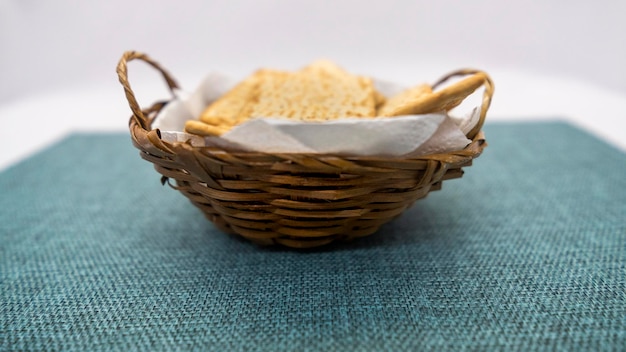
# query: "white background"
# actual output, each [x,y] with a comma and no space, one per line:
[549,59]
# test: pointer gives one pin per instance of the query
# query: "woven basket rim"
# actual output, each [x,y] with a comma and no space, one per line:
[154,136]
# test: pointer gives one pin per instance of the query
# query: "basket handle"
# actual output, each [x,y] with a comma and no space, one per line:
[122,73]
[487,95]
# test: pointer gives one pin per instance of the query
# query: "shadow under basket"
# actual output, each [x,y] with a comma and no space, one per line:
[295,200]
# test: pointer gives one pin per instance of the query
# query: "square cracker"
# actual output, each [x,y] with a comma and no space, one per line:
[318,92]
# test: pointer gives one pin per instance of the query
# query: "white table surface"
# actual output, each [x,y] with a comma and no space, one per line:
[32,123]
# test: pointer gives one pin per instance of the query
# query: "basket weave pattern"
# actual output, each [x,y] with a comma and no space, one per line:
[296,200]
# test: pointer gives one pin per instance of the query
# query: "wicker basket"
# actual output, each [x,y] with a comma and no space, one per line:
[296,200]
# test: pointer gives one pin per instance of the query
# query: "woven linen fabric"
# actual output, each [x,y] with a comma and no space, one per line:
[525,252]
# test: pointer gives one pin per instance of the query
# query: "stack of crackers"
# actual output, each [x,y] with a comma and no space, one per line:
[321,91]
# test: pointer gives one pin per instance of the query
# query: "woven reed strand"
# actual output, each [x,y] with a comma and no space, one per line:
[295,200]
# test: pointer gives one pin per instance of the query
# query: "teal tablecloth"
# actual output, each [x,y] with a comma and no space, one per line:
[526,252]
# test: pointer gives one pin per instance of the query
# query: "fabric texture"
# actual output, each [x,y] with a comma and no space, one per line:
[526,252]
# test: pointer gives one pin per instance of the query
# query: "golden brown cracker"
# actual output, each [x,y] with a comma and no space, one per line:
[320,91]
[404,100]
[439,100]
[204,129]
[228,108]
